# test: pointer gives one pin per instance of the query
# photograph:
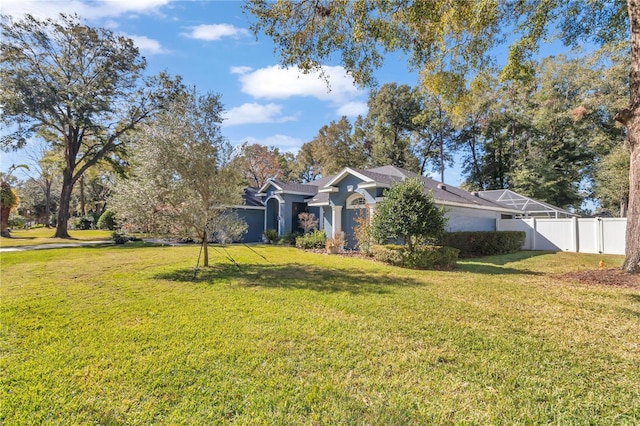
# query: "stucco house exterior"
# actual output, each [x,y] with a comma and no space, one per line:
[338,200]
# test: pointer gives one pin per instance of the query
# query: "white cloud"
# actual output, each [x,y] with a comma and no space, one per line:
[282,142]
[275,82]
[353,109]
[215,32]
[147,45]
[240,70]
[94,10]
[253,113]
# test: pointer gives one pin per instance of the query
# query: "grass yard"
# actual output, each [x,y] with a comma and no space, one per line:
[124,335]
[36,236]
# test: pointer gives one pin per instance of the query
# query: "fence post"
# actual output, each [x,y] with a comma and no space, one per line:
[600,235]
[576,236]
[534,233]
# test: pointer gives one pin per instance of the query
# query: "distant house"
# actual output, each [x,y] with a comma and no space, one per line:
[337,201]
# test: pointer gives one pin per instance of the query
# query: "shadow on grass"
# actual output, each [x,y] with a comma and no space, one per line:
[493,265]
[483,268]
[503,259]
[294,276]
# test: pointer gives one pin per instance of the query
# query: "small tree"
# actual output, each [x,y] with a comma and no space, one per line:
[308,222]
[362,231]
[408,213]
[182,183]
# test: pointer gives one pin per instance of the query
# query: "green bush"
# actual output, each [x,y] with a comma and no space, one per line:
[422,257]
[107,220]
[408,214]
[487,243]
[313,240]
[84,222]
[289,239]
[16,221]
[271,235]
[119,238]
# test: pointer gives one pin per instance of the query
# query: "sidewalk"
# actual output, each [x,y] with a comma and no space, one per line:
[54,246]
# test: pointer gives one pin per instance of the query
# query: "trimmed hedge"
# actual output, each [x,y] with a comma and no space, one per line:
[423,257]
[485,243]
[314,240]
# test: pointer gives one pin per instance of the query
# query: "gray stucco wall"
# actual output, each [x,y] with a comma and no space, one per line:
[467,219]
[255,221]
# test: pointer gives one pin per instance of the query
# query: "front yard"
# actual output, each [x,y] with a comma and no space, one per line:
[124,335]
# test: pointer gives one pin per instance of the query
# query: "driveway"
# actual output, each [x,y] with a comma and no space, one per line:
[54,246]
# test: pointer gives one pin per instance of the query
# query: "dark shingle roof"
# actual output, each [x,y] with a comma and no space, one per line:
[249,198]
[387,176]
[295,187]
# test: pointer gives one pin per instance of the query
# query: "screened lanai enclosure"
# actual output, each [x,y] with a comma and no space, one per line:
[528,206]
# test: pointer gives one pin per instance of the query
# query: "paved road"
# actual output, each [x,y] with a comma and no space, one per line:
[53,246]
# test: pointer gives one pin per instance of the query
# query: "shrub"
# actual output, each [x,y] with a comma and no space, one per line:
[16,221]
[336,244]
[422,257]
[289,239]
[314,240]
[409,214]
[362,232]
[484,243]
[107,220]
[271,235]
[119,238]
[307,221]
[84,222]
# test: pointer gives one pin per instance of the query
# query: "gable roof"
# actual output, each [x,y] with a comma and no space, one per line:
[289,187]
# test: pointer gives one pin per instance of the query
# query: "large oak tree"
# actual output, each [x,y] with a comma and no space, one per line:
[456,38]
[80,88]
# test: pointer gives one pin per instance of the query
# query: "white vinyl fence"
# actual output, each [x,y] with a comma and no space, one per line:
[584,235]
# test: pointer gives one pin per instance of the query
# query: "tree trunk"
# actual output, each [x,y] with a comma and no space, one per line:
[630,118]
[205,249]
[623,207]
[47,207]
[63,208]
[83,210]
[632,252]
[4,221]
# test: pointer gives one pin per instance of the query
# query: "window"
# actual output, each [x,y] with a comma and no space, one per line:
[356,202]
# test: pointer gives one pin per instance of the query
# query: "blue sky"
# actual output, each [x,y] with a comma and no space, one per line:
[209,44]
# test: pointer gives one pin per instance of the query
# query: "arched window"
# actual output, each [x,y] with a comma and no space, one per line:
[356,201]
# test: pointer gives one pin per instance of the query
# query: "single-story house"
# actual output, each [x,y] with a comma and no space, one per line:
[338,200]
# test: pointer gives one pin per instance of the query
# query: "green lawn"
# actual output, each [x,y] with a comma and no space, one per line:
[36,236]
[124,335]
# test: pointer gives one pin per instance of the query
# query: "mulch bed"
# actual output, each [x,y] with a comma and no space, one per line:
[614,277]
